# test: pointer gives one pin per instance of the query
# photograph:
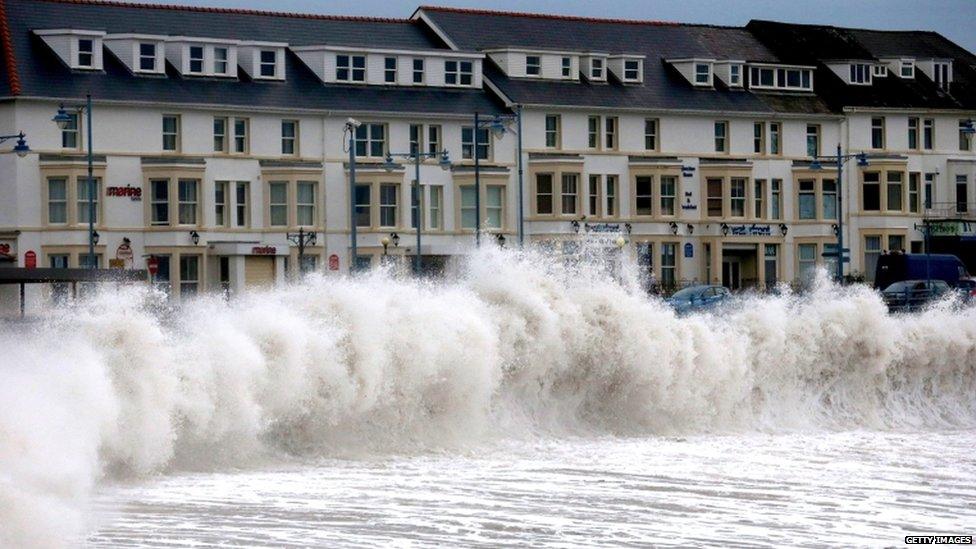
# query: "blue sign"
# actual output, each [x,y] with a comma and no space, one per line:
[689,250]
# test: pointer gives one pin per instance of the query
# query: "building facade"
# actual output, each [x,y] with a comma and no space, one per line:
[212,148]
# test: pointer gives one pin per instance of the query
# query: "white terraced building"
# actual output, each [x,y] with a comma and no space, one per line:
[693,142]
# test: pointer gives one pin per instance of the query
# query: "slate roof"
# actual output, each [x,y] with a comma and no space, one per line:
[815,44]
[663,87]
[31,69]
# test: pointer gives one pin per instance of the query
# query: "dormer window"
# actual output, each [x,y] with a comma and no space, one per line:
[86,53]
[703,74]
[880,71]
[351,68]
[268,64]
[567,67]
[860,73]
[597,71]
[78,49]
[907,68]
[147,56]
[533,65]
[735,75]
[781,78]
[632,70]
[196,60]
[943,74]
[220,61]
[458,73]
[418,71]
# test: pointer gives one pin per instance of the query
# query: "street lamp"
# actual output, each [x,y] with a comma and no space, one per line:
[20,149]
[350,129]
[389,165]
[385,241]
[839,160]
[497,125]
[302,239]
[62,119]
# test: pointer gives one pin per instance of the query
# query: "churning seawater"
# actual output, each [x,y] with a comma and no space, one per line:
[521,401]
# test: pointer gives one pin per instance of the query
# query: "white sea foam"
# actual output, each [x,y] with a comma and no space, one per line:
[510,345]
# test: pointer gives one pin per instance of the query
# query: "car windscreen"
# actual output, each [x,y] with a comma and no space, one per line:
[686,295]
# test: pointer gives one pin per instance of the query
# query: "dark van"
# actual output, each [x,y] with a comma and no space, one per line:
[897,267]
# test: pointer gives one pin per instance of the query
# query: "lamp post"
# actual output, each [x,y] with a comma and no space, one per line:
[20,149]
[350,128]
[62,119]
[302,239]
[416,155]
[840,159]
[498,126]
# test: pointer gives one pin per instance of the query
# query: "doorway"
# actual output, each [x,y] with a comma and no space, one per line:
[732,274]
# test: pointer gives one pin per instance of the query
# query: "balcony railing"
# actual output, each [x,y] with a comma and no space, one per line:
[950,210]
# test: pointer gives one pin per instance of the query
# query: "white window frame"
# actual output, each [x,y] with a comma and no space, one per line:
[225,60]
[140,57]
[174,135]
[190,59]
[353,74]
[459,72]
[598,68]
[735,75]
[907,64]
[533,65]
[418,72]
[390,73]
[292,139]
[566,67]
[859,74]
[632,74]
[92,64]
[780,77]
[262,64]
[702,78]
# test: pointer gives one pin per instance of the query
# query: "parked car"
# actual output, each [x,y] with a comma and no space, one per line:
[699,298]
[897,267]
[967,290]
[912,295]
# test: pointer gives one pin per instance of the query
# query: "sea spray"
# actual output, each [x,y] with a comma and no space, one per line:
[510,344]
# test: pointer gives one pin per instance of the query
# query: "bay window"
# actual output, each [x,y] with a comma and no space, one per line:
[570,193]
[668,194]
[828,197]
[543,193]
[807,199]
[278,203]
[737,197]
[187,201]
[57,200]
[871,192]
[305,203]
[895,187]
[389,204]
[643,195]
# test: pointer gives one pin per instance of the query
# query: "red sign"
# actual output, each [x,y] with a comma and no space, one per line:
[135,193]
[264,250]
[152,264]
[30,260]
[4,249]
[333,262]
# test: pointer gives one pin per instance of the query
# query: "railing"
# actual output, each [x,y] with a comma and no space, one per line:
[950,210]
